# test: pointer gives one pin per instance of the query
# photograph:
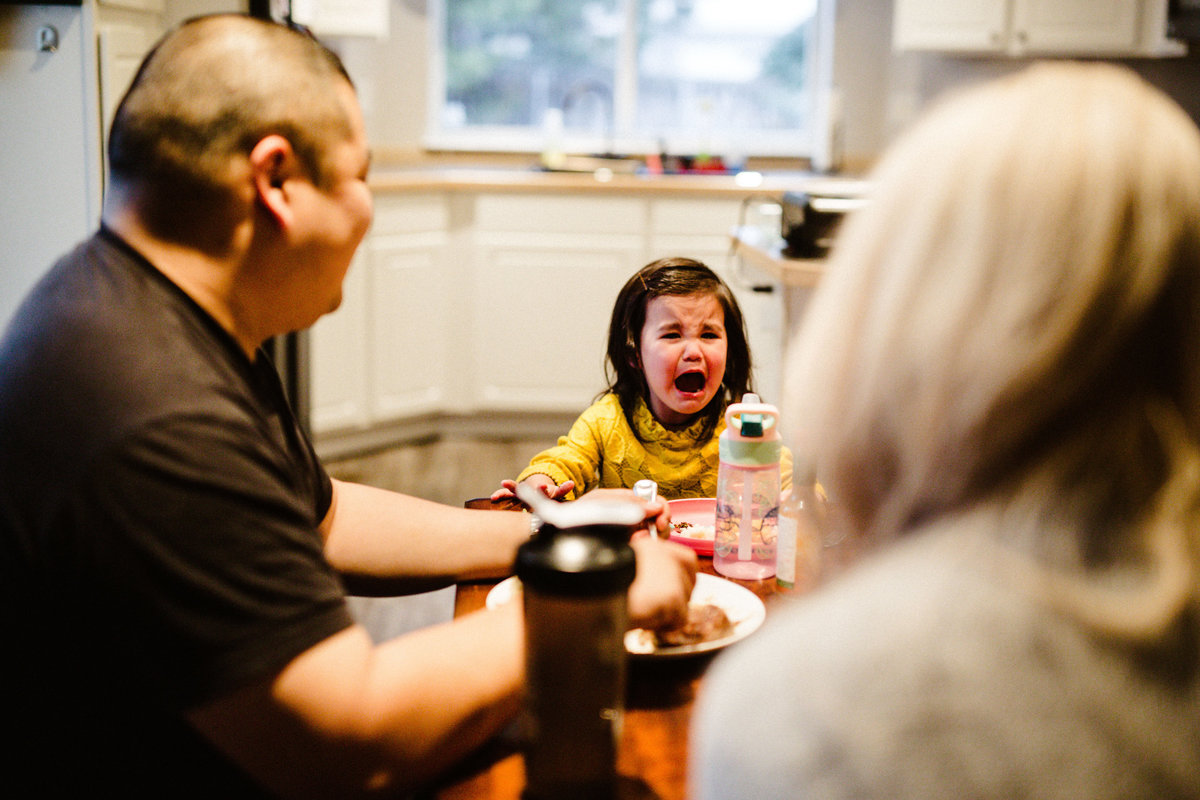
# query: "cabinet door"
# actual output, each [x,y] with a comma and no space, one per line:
[338,393]
[546,272]
[1075,26]
[410,329]
[951,25]
[383,355]
[121,49]
[695,228]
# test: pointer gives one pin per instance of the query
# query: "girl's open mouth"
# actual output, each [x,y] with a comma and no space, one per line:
[690,382]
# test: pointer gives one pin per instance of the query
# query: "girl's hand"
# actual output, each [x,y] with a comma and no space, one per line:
[559,492]
[548,487]
[507,489]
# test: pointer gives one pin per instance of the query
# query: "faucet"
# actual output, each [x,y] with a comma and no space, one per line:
[582,89]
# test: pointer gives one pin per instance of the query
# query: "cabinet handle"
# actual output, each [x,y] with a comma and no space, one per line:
[47,39]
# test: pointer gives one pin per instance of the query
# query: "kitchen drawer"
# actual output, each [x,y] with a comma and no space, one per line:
[694,217]
[557,213]
[410,213]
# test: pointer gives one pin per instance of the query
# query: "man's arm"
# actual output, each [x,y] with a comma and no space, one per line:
[347,718]
[350,719]
[389,543]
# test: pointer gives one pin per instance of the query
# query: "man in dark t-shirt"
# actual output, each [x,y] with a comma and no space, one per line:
[177,483]
[173,557]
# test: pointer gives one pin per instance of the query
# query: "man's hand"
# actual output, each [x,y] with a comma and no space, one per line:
[666,573]
[657,510]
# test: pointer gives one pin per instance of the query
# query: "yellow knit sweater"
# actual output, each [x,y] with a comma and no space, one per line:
[601,451]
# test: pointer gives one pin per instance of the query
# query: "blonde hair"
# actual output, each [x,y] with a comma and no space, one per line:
[1012,323]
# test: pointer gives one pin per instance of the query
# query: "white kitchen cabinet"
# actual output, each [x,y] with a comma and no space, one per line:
[700,228]
[412,329]
[692,227]
[339,398]
[122,46]
[1035,27]
[546,271]
[462,304]
[951,25]
[384,355]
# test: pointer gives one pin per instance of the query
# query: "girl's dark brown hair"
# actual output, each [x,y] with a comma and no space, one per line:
[623,362]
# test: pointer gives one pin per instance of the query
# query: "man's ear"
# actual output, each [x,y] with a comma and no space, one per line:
[272,163]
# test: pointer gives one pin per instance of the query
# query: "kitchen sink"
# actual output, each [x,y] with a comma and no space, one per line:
[614,164]
[630,165]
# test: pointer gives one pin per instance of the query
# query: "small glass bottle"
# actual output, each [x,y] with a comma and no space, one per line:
[747,515]
[801,537]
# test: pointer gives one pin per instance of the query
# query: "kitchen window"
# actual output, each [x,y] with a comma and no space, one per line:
[698,77]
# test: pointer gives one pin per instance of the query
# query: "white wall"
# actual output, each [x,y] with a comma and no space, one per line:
[391,77]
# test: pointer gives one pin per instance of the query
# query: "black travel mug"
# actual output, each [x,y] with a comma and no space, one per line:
[575,587]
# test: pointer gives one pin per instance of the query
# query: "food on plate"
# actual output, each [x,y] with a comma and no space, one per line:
[721,612]
[706,622]
[691,531]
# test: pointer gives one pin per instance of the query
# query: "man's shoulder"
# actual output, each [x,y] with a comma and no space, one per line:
[104,310]
[93,294]
[102,346]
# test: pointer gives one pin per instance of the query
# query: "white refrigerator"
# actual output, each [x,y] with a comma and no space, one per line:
[50,159]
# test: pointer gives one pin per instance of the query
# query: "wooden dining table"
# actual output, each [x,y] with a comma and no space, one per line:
[652,754]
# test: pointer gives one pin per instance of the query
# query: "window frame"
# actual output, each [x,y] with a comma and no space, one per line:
[816,144]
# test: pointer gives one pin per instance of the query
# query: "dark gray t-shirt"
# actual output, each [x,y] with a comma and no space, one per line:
[158,541]
[925,673]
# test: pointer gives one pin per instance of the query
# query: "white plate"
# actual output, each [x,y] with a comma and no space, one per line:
[744,609]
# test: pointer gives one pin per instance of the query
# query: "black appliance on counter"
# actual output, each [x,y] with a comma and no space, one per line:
[810,222]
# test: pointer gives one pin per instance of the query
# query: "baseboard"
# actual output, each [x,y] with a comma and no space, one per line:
[495,426]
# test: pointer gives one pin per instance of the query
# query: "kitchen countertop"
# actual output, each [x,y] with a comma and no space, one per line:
[468,179]
[767,255]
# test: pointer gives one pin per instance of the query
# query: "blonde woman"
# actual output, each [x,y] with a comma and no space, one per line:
[1000,379]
